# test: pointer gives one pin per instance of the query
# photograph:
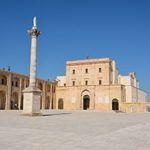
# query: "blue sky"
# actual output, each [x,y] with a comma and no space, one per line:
[72,29]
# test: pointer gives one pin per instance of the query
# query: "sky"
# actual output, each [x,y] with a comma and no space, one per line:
[73,29]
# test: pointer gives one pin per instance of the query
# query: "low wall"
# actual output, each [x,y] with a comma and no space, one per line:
[135,107]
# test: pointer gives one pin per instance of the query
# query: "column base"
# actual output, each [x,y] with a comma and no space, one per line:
[31,102]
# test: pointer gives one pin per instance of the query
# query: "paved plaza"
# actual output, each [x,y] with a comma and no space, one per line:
[75,130]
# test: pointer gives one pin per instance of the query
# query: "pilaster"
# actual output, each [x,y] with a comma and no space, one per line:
[8,97]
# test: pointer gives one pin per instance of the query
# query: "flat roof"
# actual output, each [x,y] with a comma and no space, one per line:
[99,60]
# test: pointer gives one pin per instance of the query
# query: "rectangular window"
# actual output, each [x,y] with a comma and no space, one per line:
[3,82]
[86,70]
[73,71]
[100,82]
[73,83]
[100,69]
[86,82]
[16,84]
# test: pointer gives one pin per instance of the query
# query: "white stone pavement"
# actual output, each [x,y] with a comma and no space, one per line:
[75,130]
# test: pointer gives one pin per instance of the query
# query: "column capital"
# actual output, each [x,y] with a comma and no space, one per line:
[34,32]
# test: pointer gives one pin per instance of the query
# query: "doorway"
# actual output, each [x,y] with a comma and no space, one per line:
[115,104]
[86,102]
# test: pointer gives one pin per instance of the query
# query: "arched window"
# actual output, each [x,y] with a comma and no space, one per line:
[3,80]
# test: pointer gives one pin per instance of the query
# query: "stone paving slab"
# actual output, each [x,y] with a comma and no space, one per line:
[74,130]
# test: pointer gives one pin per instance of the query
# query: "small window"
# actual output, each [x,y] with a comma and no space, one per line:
[86,82]
[86,70]
[100,69]
[73,71]
[73,83]
[3,81]
[16,84]
[100,82]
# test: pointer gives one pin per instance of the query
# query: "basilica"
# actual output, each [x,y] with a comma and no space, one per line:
[91,84]
[95,84]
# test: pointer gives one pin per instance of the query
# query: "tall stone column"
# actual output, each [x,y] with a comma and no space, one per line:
[32,94]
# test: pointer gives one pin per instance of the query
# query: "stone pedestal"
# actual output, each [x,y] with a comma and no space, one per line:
[31,103]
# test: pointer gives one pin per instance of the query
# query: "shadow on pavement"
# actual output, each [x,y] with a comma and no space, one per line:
[57,114]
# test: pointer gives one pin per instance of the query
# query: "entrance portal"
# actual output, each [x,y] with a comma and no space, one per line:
[86,102]
[115,104]
[60,104]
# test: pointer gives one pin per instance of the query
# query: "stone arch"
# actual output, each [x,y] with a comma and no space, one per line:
[60,103]
[15,100]
[2,99]
[47,102]
[115,104]
[3,80]
[85,92]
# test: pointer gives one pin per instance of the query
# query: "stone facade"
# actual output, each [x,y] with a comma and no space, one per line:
[11,87]
[95,84]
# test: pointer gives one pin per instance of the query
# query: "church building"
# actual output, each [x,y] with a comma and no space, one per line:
[95,84]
